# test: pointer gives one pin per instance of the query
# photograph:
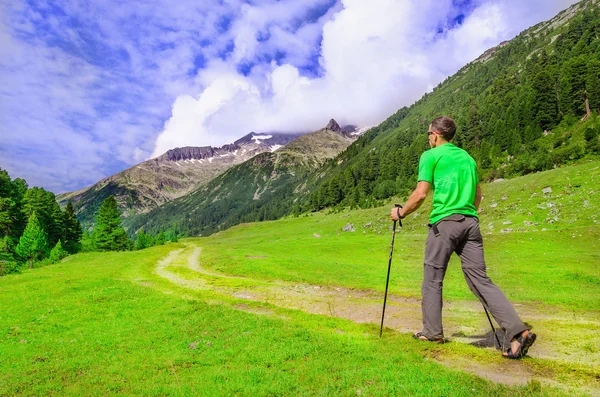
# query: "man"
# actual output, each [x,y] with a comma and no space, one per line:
[451,173]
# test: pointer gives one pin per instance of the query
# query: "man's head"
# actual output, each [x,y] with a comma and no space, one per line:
[441,130]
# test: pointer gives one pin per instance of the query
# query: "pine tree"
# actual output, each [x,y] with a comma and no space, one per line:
[56,227]
[593,84]
[33,244]
[142,241]
[19,219]
[171,236]
[35,201]
[545,106]
[5,203]
[71,230]
[160,238]
[12,218]
[108,234]
[58,253]
[572,87]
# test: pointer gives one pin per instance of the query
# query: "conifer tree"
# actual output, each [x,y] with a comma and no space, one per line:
[593,84]
[142,241]
[55,229]
[33,244]
[171,236]
[572,86]
[35,201]
[71,230]
[19,219]
[545,108]
[12,219]
[5,203]
[108,234]
[160,238]
[58,253]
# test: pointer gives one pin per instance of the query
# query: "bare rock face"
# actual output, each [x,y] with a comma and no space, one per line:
[318,146]
[333,126]
[188,153]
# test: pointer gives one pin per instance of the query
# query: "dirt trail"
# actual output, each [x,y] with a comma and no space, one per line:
[555,341]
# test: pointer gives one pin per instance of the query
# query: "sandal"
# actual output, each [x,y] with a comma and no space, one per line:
[524,345]
[420,336]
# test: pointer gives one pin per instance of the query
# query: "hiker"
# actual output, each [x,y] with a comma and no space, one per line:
[451,173]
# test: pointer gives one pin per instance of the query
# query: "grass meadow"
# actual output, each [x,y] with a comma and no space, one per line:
[188,318]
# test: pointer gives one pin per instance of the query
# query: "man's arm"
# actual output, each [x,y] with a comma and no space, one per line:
[477,197]
[414,201]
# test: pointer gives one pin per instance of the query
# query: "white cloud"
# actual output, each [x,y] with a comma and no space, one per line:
[84,90]
[100,85]
[376,57]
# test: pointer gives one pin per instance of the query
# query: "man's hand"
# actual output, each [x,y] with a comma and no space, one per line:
[396,214]
[413,203]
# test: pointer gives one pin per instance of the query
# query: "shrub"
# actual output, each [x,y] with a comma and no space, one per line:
[8,267]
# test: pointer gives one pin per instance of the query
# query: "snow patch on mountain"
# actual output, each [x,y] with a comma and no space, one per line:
[360,131]
[257,138]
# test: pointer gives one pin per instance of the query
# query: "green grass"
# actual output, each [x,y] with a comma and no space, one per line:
[529,267]
[83,327]
[107,324]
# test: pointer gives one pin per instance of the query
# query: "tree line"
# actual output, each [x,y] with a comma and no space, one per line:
[35,230]
[109,234]
[33,227]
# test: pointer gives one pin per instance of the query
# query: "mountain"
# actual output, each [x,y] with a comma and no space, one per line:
[258,189]
[176,173]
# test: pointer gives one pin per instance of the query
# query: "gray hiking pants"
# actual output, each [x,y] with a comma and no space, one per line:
[461,234]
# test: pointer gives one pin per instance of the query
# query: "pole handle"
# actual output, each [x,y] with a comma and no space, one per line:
[399,220]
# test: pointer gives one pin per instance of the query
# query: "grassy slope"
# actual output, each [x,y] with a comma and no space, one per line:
[560,253]
[97,323]
[83,327]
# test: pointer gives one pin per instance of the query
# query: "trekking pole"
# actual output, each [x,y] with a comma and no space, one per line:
[493,329]
[387,281]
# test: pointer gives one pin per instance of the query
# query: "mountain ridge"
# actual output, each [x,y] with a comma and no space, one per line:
[244,189]
[177,172]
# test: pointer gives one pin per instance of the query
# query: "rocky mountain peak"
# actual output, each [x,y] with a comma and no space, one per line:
[333,126]
[187,153]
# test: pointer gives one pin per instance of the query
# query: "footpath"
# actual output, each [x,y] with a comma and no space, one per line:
[560,332]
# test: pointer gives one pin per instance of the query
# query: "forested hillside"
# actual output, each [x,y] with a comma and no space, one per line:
[527,105]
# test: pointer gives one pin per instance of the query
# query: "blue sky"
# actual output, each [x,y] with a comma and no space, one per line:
[88,88]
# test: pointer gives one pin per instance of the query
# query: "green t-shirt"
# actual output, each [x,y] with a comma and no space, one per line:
[452,173]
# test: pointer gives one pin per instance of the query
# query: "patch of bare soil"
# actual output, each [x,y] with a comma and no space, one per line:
[559,332]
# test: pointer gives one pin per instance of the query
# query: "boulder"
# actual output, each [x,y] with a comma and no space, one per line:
[349,227]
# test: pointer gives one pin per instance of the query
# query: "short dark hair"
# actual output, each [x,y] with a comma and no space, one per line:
[445,126]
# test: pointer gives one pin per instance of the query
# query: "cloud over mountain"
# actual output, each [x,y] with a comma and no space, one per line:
[89,88]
